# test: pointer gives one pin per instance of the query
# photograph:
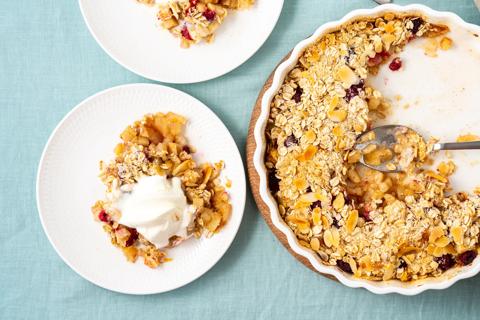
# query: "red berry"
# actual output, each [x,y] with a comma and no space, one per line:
[344,266]
[297,97]
[316,204]
[375,61]
[402,264]
[445,262]
[335,223]
[290,141]
[417,23]
[378,58]
[354,90]
[103,216]
[365,212]
[132,238]
[384,54]
[186,33]
[209,14]
[193,3]
[395,64]
[467,257]
[273,182]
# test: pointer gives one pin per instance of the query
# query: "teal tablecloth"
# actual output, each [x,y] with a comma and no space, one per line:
[49,62]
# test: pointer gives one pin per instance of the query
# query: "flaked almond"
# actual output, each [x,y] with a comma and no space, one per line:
[365,263]
[296,219]
[446,168]
[436,176]
[315,244]
[353,265]
[435,233]
[328,238]
[312,197]
[389,27]
[354,157]
[442,242]
[304,227]
[352,220]
[388,272]
[300,183]
[337,131]
[310,136]
[360,126]
[316,216]
[388,39]
[335,237]
[440,251]
[406,249]
[304,243]
[325,222]
[339,202]
[308,154]
[337,115]
[346,76]
[457,234]
[334,102]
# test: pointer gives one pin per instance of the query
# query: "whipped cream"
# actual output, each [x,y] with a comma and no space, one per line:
[157,208]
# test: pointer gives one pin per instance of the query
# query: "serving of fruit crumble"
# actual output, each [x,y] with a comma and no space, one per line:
[194,20]
[155,179]
[373,225]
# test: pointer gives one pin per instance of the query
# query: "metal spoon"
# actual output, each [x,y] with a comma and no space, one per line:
[385,136]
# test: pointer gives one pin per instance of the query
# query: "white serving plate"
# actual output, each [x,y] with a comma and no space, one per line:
[68,185]
[442,94]
[129,33]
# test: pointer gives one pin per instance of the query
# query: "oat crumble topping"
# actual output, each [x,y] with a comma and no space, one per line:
[193,21]
[373,225]
[156,146]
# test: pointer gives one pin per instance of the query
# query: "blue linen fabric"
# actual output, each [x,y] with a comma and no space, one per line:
[49,62]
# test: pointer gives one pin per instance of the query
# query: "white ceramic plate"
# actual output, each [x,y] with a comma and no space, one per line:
[442,97]
[67,186]
[128,32]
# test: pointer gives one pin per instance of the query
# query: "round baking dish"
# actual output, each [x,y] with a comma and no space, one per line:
[378,287]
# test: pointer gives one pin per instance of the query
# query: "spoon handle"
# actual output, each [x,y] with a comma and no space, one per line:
[457,145]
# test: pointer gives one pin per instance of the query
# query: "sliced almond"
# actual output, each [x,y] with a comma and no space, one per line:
[457,234]
[346,76]
[435,233]
[316,216]
[315,244]
[352,220]
[328,238]
[442,242]
[339,202]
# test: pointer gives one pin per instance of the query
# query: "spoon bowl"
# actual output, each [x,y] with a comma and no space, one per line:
[387,137]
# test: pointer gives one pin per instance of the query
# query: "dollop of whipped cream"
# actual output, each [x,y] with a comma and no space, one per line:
[157,208]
